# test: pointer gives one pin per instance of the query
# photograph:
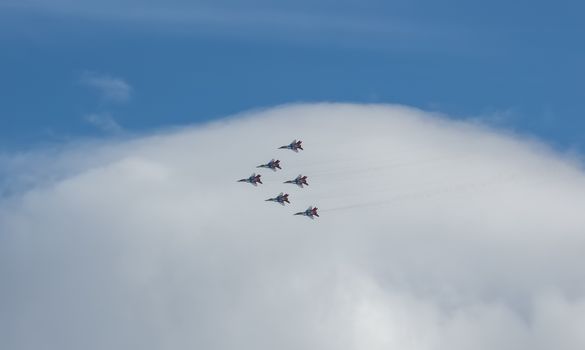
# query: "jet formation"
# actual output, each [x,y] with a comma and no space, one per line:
[300,180]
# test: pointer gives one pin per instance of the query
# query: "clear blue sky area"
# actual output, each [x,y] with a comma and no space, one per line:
[519,65]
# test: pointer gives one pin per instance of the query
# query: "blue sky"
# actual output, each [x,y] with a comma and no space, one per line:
[519,66]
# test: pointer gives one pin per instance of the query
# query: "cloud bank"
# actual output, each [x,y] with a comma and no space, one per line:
[433,234]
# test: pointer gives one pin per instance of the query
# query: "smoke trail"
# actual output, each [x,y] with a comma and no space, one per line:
[457,188]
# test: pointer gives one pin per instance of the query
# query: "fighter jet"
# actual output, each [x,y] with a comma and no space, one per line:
[299,181]
[281,198]
[253,179]
[295,146]
[273,164]
[311,212]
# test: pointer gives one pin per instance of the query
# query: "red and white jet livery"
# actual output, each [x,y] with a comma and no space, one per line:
[299,181]
[294,146]
[281,198]
[253,179]
[273,165]
[311,213]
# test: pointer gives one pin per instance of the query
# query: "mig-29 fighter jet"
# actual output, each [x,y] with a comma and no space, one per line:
[295,146]
[311,212]
[281,198]
[299,181]
[253,179]
[273,164]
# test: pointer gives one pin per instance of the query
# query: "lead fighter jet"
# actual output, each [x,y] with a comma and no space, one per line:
[281,198]
[253,179]
[299,181]
[295,146]
[273,164]
[310,212]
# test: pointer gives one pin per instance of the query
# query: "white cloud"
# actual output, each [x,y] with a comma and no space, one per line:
[110,88]
[104,122]
[433,235]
